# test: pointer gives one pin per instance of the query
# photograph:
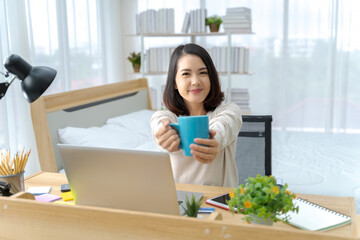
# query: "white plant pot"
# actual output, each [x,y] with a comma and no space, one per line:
[261,221]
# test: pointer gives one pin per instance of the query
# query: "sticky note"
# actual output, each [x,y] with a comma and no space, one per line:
[38,190]
[47,197]
[66,203]
[67,196]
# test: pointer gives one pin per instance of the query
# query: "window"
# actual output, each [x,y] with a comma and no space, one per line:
[65,35]
[305,57]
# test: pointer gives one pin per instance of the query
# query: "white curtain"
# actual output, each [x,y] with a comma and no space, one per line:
[77,38]
[66,35]
[304,56]
[15,122]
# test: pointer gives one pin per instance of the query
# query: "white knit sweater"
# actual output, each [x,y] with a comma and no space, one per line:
[226,121]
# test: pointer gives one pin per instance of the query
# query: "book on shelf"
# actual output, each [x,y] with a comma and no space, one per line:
[237,25]
[239,91]
[197,20]
[235,61]
[203,16]
[231,17]
[246,60]
[314,217]
[162,20]
[241,97]
[244,104]
[157,59]
[237,20]
[238,9]
[239,59]
[186,23]
[155,21]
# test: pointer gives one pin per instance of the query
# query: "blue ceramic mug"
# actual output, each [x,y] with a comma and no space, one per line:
[189,128]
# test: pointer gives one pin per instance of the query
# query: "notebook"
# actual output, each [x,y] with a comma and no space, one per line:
[314,217]
[125,179]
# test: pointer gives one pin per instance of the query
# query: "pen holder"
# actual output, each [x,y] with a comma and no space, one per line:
[16,181]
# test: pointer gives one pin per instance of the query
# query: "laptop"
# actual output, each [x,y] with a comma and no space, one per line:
[121,178]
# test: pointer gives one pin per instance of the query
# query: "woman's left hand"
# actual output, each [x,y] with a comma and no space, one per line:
[205,154]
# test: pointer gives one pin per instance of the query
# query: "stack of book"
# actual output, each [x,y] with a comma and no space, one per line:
[194,21]
[241,97]
[157,59]
[156,21]
[239,59]
[237,19]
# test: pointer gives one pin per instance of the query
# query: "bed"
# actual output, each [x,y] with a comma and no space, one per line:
[83,108]
[318,163]
[118,115]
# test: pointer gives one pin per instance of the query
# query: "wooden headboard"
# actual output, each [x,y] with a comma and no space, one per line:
[82,108]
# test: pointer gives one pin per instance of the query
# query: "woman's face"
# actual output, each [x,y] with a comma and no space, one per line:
[192,80]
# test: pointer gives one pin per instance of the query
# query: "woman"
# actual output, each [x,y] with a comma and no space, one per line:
[192,89]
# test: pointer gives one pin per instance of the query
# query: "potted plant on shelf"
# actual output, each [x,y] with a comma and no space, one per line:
[262,201]
[214,23]
[192,206]
[135,59]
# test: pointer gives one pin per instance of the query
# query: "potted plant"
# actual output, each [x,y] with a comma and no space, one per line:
[261,200]
[135,59]
[192,207]
[214,23]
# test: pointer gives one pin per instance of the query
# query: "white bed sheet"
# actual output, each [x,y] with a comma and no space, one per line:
[313,163]
[129,131]
[318,163]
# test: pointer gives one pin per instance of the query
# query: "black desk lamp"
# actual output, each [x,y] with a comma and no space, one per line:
[34,80]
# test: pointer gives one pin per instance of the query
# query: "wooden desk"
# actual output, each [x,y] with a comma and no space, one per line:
[28,219]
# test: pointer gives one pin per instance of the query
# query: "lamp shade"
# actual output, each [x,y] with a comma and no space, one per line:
[34,80]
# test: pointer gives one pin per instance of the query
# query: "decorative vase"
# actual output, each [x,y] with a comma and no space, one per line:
[136,67]
[214,27]
[261,221]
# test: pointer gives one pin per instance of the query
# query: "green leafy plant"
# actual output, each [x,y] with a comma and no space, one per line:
[213,19]
[135,58]
[192,207]
[261,198]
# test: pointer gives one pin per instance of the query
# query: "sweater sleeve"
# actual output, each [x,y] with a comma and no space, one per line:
[227,122]
[156,123]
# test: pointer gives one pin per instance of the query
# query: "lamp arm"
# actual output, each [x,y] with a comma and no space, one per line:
[5,85]
[12,79]
[5,74]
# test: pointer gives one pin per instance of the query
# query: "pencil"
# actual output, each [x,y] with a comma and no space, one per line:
[25,160]
[7,161]
[19,162]
[2,171]
[16,165]
[5,170]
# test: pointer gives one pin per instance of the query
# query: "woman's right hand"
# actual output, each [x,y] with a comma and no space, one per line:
[167,137]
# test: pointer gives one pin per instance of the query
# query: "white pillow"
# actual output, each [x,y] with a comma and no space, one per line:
[138,121]
[105,136]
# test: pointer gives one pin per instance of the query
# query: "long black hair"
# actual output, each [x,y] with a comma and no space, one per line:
[173,100]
